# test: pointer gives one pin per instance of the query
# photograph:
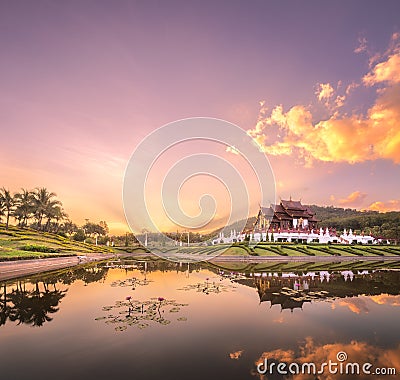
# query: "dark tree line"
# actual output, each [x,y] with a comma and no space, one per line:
[35,303]
[37,208]
[32,307]
[41,210]
[385,225]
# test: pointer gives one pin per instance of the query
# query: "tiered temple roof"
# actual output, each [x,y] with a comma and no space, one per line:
[286,215]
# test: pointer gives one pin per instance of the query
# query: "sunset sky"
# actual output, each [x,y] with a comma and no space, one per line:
[316,83]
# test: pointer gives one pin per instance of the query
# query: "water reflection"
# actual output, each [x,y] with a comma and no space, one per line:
[291,292]
[33,302]
[140,313]
[87,274]
[352,308]
[131,282]
[210,286]
[310,351]
[30,304]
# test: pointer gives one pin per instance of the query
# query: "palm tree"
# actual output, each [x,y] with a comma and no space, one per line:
[44,204]
[5,308]
[8,203]
[2,208]
[58,214]
[24,206]
[69,227]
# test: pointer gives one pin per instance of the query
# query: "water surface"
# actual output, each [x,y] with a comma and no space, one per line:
[161,320]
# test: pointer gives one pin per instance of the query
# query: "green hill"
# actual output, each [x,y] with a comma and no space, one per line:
[24,243]
[385,224]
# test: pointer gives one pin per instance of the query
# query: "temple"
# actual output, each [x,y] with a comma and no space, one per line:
[286,216]
[290,221]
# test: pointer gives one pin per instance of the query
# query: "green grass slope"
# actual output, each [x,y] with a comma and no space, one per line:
[19,244]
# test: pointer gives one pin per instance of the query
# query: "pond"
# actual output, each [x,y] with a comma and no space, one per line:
[163,320]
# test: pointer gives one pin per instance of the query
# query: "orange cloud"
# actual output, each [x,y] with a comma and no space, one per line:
[357,352]
[392,205]
[339,101]
[386,71]
[353,199]
[340,138]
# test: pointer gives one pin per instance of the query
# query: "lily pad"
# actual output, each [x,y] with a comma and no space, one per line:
[141,314]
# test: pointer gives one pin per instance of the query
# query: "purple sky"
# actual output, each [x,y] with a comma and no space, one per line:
[83,82]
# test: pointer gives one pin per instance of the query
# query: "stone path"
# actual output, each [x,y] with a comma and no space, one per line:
[19,268]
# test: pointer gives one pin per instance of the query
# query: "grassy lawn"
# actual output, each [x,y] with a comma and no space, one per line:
[300,268]
[287,250]
[17,244]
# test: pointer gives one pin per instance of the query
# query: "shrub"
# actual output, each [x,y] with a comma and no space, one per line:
[79,235]
[39,248]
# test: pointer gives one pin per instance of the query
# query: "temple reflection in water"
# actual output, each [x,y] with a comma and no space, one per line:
[35,300]
[291,291]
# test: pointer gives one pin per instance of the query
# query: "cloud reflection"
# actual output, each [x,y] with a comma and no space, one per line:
[362,305]
[236,355]
[310,351]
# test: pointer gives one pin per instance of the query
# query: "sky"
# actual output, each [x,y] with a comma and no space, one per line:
[315,83]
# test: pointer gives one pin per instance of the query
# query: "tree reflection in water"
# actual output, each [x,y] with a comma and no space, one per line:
[31,307]
[33,302]
[4,307]
[86,274]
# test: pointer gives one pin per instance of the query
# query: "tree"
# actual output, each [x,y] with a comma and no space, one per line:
[23,207]
[93,229]
[79,235]
[44,206]
[2,208]
[57,213]
[59,216]
[69,227]
[104,225]
[8,203]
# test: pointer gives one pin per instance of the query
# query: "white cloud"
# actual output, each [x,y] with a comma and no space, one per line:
[324,91]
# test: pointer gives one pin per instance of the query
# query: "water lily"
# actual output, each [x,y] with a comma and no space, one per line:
[160,299]
[128,298]
[140,313]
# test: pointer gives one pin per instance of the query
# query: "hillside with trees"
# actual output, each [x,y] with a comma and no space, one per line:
[381,225]
[386,225]
[39,209]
